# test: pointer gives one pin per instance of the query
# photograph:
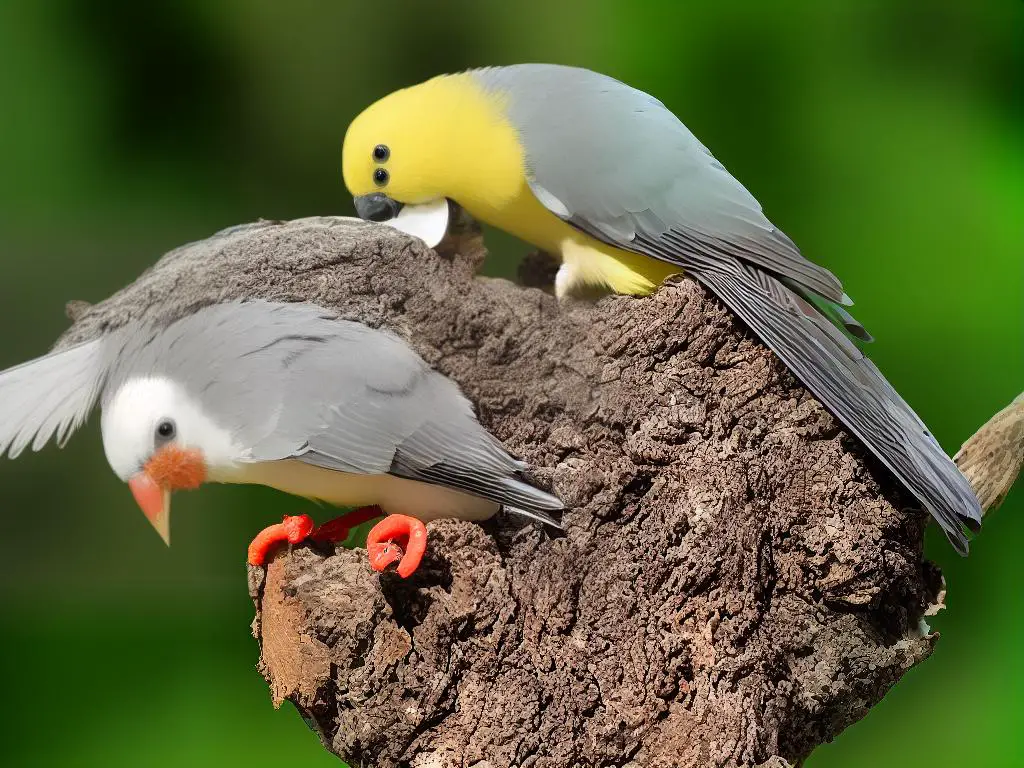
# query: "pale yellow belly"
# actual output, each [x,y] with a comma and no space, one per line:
[588,263]
[395,495]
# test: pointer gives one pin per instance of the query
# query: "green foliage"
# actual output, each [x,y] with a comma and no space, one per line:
[887,138]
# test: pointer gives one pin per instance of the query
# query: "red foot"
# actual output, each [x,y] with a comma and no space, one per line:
[338,528]
[297,529]
[397,538]
[291,529]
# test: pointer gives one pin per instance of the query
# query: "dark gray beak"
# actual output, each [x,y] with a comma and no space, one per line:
[376,207]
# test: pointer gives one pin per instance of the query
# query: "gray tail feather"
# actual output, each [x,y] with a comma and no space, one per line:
[852,387]
[516,495]
[540,517]
[839,375]
[831,309]
[523,499]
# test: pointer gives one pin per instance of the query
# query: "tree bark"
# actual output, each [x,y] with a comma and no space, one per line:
[737,583]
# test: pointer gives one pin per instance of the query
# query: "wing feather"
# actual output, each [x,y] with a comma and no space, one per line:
[51,395]
[361,400]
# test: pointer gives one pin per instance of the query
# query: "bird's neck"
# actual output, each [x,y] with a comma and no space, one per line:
[487,162]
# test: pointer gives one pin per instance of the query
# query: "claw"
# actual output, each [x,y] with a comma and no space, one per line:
[397,538]
[293,529]
[383,555]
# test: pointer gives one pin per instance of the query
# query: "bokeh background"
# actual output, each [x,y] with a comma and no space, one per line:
[887,138]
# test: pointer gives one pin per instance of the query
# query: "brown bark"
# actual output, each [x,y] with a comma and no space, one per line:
[737,583]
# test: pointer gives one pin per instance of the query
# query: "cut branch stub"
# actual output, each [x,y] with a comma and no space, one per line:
[992,457]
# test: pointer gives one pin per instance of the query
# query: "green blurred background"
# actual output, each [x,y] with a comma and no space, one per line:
[887,138]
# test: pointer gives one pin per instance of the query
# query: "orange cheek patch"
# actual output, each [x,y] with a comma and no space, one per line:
[180,469]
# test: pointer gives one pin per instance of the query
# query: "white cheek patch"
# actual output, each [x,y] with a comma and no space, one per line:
[428,221]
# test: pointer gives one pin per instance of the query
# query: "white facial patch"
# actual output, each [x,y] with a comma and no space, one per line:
[427,221]
[131,417]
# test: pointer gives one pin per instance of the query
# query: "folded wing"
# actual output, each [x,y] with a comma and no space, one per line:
[361,400]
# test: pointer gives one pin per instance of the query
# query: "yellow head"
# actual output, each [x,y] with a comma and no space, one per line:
[445,138]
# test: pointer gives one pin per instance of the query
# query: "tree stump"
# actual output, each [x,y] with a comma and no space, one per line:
[738,581]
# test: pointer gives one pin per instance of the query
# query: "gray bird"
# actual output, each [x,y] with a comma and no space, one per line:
[605,176]
[283,395]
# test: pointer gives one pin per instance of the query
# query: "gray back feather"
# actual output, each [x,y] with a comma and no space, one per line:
[636,178]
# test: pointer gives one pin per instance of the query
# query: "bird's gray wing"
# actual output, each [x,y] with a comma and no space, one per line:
[360,400]
[639,180]
[48,395]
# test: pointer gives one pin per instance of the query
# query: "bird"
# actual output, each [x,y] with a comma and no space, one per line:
[281,394]
[606,177]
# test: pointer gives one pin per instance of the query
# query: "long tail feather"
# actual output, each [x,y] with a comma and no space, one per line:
[845,381]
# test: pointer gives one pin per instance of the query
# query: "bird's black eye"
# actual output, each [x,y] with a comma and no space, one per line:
[381,153]
[165,430]
[380,177]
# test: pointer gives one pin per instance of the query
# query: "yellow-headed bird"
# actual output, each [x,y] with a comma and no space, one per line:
[584,166]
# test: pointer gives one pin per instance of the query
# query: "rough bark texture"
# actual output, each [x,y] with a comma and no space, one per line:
[737,582]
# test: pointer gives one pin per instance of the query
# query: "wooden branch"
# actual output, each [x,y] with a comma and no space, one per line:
[991,459]
[738,581]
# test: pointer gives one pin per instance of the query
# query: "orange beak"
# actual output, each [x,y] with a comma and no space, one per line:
[155,503]
[170,469]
